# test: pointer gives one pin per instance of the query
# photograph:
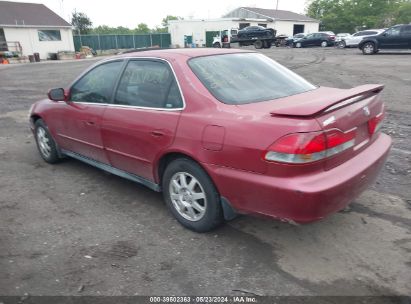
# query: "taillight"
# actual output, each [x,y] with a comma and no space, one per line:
[301,148]
[375,123]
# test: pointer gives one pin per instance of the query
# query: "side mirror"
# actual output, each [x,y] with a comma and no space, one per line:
[57,94]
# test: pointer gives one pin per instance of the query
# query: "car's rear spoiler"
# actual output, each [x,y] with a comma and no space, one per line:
[323,99]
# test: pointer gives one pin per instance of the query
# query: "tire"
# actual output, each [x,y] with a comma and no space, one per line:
[267,44]
[368,48]
[45,143]
[324,44]
[298,45]
[217,45]
[258,44]
[341,44]
[179,196]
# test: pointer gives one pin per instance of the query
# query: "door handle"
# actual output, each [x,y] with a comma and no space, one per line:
[157,133]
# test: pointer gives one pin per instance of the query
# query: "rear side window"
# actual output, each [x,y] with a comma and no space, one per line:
[406,30]
[247,78]
[149,84]
[98,84]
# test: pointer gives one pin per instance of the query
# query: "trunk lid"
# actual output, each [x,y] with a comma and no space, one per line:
[353,113]
[316,101]
[342,109]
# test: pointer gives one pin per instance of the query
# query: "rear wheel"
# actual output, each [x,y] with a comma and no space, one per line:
[45,143]
[324,44]
[217,45]
[368,48]
[258,44]
[191,196]
[267,44]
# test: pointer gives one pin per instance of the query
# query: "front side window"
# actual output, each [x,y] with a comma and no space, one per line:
[49,35]
[98,84]
[149,84]
[394,31]
[247,78]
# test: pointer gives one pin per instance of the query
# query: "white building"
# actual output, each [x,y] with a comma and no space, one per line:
[33,28]
[284,22]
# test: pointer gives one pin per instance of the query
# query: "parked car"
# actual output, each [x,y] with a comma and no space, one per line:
[396,37]
[255,32]
[315,39]
[329,33]
[295,38]
[219,132]
[341,36]
[340,39]
[355,39]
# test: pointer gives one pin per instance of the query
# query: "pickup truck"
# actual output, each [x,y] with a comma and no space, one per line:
[225,38]
[396,37]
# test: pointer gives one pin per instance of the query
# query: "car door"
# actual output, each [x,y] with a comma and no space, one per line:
[307,40]
[142,120]
[355,38]
[406,36]
[79,128]
[390,39]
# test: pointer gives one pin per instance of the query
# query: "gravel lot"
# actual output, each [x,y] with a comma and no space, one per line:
[71,229]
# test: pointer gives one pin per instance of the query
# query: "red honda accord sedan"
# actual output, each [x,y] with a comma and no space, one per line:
[219,132]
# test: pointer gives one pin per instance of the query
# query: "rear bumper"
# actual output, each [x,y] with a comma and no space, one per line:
[303,198]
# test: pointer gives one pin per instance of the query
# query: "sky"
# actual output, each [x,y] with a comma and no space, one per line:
[130,13]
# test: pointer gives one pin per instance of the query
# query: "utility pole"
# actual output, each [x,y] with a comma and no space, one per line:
[276,8]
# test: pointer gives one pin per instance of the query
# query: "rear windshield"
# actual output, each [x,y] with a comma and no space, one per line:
[247,78]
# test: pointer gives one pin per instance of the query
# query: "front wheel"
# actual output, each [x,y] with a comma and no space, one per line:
[217,45]
[45,143]
[368,48]
[341,44]
[191,196]
[298,45]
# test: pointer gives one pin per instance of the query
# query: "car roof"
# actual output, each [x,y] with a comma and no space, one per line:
[374,30]
[180,53]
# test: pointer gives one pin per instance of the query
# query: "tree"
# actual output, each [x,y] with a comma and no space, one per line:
[142,28]
[351,15]
[165,20]
[403,14]
[159,30]
[81,22]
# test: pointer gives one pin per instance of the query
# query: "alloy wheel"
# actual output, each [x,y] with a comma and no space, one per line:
[188,196]
[44,142]
[369,48]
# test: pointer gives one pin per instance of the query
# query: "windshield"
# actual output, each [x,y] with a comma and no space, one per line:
[247,78]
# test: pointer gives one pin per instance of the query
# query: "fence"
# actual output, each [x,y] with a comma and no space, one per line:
[108,42]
